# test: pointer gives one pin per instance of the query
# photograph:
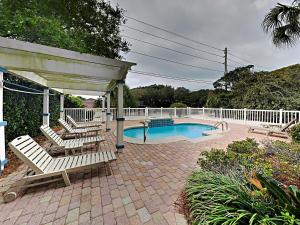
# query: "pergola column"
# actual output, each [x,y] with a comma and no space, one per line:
[103,109]
[2,125]
[46,114]
[62,100]
[120,117]
[108,113]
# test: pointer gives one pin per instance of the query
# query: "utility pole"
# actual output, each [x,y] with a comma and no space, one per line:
[225,63]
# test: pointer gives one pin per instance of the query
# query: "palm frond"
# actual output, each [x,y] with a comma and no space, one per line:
[283,22]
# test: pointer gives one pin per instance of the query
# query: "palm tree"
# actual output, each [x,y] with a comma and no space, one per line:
[283,22]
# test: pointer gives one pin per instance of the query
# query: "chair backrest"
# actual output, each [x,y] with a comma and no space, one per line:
[289,124]
[51,135]
[65,125]
[31,153]
[72,121]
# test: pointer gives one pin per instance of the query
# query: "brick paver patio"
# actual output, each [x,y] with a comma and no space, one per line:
[146,181]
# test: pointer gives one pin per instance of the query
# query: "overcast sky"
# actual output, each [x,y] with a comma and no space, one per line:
[235,24]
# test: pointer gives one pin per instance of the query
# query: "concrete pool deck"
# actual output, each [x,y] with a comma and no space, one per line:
[146,181]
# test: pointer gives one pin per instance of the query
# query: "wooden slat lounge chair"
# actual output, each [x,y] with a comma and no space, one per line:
[71,144]
[79,132]
[44,166]
[274,131]
[83,124]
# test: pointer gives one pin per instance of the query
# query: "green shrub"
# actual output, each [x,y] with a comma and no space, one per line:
[218,199]
[246,146]
[295,133]
[218,160]
[178,105]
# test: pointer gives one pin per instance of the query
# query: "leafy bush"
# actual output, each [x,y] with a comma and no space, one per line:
[246,184]
[218,160]
[295,133]
[178,105]
[246,146]
[218,199]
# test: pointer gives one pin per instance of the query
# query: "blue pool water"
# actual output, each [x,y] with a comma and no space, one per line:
[189,130]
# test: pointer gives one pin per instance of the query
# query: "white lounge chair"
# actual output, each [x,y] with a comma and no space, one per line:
[79,132]
[83,124]
[71,144]
[44,166]
[281,131]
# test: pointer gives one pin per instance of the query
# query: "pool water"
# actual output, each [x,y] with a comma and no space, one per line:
[188,130]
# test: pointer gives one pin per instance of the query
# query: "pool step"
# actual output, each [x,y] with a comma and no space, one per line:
[160,122]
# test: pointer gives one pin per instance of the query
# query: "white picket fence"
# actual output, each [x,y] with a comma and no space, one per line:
[245,116]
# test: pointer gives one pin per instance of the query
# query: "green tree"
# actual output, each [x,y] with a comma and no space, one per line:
[89,26]
[129,99]
[154,95]
[182,94]
[73,102]
[228,81]
[283,22]
[257,90]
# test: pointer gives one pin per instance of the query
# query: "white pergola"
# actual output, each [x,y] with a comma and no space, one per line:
[65,71]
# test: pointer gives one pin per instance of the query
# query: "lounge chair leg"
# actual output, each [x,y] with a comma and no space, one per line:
[108,170]
[66,178]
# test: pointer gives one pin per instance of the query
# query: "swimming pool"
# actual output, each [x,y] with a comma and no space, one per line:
[188,130]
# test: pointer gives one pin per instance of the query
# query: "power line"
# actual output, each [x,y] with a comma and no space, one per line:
[236,62]
[176,62]
[183,53]
[170,77]
[186,38]
[245,60]
[173,33]
[175,42]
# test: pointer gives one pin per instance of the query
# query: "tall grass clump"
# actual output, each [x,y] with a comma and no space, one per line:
[219,199]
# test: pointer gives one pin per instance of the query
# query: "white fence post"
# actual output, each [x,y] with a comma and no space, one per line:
[161,112]
[175,114]
[281,116]
[129,113]
[202,112]
[221,113]
[245,115]
[85,118]
[146,112]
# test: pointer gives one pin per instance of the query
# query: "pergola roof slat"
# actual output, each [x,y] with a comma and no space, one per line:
[60,68]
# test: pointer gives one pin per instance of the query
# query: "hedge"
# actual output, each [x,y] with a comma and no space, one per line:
[23,112]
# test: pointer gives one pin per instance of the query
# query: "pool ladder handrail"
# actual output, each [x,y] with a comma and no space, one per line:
[221,123]
[145,132]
